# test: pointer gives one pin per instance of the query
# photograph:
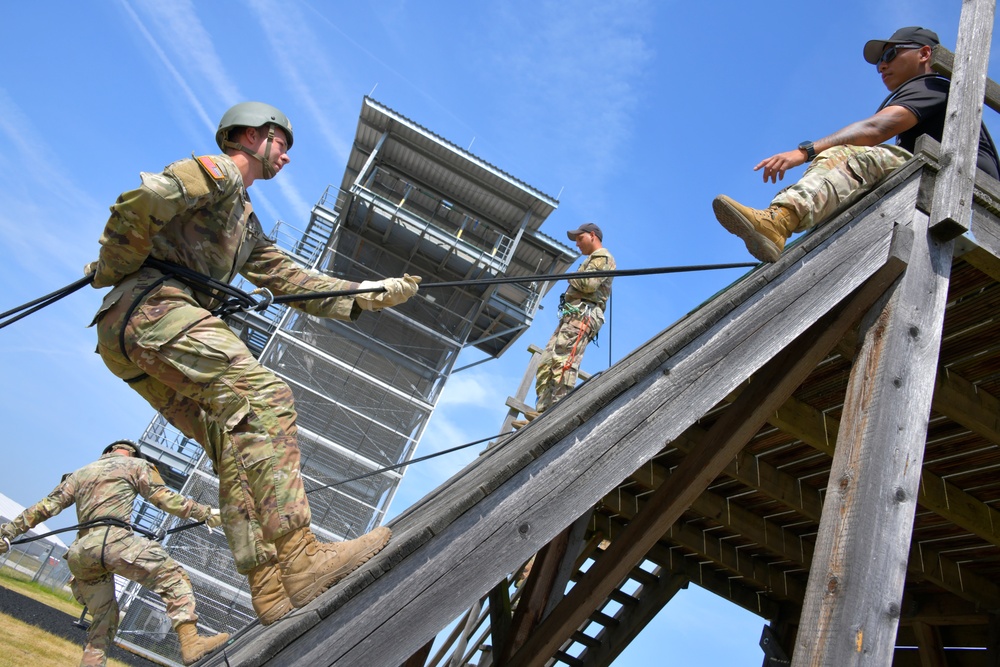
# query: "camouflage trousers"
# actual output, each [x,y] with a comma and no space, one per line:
[838,177]
[202,378]
[103,552]
[559,365]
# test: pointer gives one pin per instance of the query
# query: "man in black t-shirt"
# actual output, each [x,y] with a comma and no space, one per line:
[849,162]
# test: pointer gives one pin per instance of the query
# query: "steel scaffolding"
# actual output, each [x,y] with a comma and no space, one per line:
[410,202]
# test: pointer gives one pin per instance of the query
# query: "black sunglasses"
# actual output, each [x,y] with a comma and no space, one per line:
[890,54]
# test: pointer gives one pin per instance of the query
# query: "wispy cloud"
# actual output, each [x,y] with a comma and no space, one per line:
[38,198]
[194,63]
[305,69]
[187,30]
[578,81]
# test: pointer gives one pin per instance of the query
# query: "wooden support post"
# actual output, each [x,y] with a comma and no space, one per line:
[952,207]
[773,385]
[929,645]
[855,587]
[544,587]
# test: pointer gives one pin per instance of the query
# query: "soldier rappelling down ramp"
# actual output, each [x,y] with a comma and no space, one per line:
[104,492]
[169,249]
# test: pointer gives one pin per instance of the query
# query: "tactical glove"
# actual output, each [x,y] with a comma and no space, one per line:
[7,533]
[397,291]
[214,519]
[210,515]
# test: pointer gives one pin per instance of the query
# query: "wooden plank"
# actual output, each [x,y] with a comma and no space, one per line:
[952,398]
[930,646]
[632,619]
[951,210]
[773,384]
[534,596]
[627,413]
[943,62]
[856,581]
[753,569]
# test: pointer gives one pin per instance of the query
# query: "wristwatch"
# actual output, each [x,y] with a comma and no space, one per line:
[809,149]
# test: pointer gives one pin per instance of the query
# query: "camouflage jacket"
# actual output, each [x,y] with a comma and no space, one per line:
[592,290]
[107,488]
[197,213]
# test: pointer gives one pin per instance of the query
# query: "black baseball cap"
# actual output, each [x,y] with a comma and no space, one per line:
[910,35]
[585,227]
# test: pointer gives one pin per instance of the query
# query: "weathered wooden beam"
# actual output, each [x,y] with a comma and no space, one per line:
[856,580]
[943,62]
[717,581]
[951,211]
[930,646]
[759,474]
[632,619]
[783,543]
[541,585]
[955,398]
[779,579]
[938,568]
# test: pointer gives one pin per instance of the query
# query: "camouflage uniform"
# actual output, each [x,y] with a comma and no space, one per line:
[186,362]
[838,177]
[581,314]
[107,488]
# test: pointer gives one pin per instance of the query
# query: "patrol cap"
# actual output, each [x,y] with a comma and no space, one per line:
[909,35]
[585,227]
[251,114]
[123,444]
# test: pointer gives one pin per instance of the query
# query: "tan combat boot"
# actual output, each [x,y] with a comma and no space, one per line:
[309,567]
[529,416]
[195,646]
[268,596]
[764,231]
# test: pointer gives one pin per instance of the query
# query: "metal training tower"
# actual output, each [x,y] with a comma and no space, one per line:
[410,202]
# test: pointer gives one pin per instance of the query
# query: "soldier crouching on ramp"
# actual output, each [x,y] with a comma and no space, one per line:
[156,332]
[106,489]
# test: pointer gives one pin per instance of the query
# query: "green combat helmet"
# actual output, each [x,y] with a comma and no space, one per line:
[122,444]
[253,114]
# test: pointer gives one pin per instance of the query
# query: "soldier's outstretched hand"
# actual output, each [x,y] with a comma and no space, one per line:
[775,166]
[388,292]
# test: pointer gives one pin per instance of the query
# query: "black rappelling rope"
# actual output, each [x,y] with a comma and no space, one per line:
[26,309]
[542,277]
[241,301]
[403,464]
[110,521]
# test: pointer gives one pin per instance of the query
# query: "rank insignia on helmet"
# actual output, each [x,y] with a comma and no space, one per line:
[208,164]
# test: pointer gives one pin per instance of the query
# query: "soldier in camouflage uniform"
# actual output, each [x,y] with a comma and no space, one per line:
[851,161]
[581,315]
[106,489]
[156,332]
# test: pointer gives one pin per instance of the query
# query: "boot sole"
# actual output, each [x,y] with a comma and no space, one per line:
[190,660]
[276,612]
[758,245]
[323,582]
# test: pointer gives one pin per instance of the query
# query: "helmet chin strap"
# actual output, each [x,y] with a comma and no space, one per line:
[267,166]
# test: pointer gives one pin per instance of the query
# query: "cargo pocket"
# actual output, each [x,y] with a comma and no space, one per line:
[187,339]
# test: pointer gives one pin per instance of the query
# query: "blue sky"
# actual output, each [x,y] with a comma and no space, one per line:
[633,113]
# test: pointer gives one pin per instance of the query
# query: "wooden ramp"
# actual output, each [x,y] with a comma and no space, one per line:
[818,443]
[703,457]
